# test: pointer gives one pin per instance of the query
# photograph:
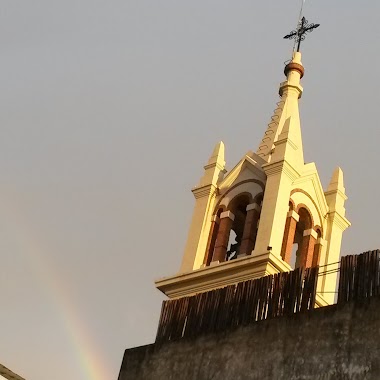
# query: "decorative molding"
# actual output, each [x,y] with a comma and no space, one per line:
[302,205]
[271,132]
[200,192]
[235,186]
[336,192]
[312,200]
[222,274]
[339,220]
[215,165]
[248,163]
[286,85]
[286,139]
[310,174]
[294,66]
[281,166]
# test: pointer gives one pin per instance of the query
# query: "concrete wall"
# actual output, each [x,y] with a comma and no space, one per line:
[328,343]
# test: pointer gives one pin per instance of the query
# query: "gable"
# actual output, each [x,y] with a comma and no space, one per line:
[308,190]
[246,177]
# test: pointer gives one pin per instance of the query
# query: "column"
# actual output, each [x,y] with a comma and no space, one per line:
[317,251]
[221,244]
[215,221]
[307,249]
[250,228]
[288,240]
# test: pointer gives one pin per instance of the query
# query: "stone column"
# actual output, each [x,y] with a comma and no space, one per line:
[221,244]
[288,240]
[307,250]
[317,251]
[250,229]
[215,221]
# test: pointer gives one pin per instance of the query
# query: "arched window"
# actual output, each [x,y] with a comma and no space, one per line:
[299,240]
[238,207]
[231,228]
[298,249]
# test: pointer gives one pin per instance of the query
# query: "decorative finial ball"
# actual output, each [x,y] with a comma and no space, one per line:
[293,66]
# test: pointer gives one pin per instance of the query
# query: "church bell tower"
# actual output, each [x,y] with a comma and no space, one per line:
[269,214]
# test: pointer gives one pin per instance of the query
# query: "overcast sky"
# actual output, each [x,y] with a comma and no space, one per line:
[110,109]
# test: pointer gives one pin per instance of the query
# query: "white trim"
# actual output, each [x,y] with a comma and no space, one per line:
[253,206]
[227,214]
[294,215]
[310,232]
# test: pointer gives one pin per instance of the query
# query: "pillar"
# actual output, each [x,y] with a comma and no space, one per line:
[307,249]
[317,251]
[288,240]
[250,229]
[221,244]
[215,221]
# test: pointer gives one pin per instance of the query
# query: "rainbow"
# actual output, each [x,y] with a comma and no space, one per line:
[88,353]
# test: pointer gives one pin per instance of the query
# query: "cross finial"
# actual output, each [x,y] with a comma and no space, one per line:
[300,33]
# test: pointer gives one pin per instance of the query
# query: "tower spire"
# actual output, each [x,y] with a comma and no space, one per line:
[286,115]
[290,91]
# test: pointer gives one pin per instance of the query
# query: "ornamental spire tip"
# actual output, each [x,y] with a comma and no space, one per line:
[299,34]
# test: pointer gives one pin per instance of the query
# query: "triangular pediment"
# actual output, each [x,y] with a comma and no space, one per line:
[249,167]
[310,185]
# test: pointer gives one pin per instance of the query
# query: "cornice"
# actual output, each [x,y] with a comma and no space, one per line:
[336,192]
[203,191]
[281,166]
[339,220]
[285,140]
[287,85]
[222,274]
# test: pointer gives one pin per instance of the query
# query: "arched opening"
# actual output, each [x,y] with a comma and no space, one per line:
[299,240]
[238,207]
[299,249]
[232,246]
[231,228]
[293,257]
[290,242]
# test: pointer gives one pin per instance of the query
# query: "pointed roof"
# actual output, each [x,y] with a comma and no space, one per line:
[217,156]
[285,122]
[337,182]
[215,167]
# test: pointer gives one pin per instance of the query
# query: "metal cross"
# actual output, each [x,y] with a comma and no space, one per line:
[300,33]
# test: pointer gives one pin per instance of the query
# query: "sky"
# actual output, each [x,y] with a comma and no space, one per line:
[110,109]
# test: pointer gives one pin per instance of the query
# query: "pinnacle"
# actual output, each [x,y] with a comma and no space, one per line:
[217,155]
[337,180]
